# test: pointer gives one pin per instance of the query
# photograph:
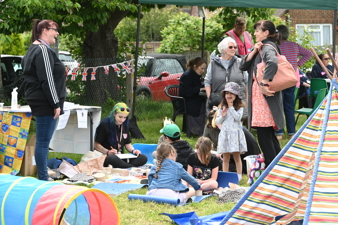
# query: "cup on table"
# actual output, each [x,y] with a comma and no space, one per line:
[1,105]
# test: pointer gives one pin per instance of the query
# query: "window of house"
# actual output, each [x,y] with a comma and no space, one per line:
[322,33]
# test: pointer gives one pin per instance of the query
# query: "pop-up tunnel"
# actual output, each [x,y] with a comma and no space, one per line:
[27,201]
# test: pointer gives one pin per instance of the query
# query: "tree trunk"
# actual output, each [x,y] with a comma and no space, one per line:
[105,44]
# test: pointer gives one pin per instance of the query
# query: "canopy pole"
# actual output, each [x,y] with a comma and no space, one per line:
[136,57]
[203,35]
[334,32]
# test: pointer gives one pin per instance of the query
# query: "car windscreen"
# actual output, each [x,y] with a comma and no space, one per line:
[65,58]
[170,65]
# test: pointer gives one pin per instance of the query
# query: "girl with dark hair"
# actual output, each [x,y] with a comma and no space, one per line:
[231,139]
[112,136]
[45,91]
[265,107]
[165,178]
[189,89]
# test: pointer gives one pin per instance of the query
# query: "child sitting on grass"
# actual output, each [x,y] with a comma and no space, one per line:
[165,177]
[203,165]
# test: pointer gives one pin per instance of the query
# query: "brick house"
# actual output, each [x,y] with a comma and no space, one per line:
[320,23]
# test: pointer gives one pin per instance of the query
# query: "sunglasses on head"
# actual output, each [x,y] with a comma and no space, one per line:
[326,58]
[232,47]
[122,109]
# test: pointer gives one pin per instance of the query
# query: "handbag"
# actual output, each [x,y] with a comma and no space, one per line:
[285,76]
[215,99]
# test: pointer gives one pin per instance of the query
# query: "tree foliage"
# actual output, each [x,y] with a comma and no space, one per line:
[151,24]
[89,23]
[184,33]
[15,45]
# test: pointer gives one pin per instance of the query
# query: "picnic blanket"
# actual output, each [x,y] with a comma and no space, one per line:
[120,186]
[13,137]
[192,218]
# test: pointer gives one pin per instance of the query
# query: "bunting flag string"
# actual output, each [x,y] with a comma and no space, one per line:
[123,67]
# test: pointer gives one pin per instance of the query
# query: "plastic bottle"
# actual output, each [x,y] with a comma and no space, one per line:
[14,103]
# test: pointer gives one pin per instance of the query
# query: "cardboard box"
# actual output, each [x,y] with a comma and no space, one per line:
[28,166]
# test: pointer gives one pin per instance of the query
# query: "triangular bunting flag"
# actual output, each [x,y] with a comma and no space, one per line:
[93,73]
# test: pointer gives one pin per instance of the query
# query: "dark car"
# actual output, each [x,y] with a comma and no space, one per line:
[152,80]
[11,71]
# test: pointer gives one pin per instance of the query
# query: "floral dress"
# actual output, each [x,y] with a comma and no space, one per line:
[231,138]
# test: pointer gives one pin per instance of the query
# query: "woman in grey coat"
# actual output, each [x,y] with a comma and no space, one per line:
[265,107]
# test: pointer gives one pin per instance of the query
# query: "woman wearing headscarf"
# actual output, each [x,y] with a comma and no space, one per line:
[112,137]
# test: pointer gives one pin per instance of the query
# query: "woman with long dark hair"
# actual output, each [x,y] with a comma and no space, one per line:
[265,107]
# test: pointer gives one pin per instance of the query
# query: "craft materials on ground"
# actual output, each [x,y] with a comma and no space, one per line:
[232,194]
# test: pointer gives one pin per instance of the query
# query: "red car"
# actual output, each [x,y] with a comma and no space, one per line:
[152,80]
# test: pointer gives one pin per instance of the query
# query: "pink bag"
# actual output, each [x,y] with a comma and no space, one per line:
[285,76]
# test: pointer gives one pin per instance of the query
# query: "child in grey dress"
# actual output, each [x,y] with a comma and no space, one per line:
[231,139]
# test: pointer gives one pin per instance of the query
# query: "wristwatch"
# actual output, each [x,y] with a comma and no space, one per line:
[262,84]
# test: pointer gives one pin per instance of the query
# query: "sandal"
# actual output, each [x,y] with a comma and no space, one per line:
[279,137]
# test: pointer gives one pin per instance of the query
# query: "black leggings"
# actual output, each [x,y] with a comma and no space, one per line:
[268,142]
[116,162]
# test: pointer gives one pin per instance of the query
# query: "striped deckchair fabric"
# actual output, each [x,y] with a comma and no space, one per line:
[302,181]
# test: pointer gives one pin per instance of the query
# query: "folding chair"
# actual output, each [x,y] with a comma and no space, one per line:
[178,103]
[146,149]
[308,111]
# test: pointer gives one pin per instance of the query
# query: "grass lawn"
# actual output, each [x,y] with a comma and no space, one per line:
[151,115]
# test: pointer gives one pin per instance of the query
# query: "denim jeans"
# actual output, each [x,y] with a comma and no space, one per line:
[289,111]
[45,126]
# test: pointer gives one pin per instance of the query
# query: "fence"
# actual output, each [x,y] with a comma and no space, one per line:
[101,83]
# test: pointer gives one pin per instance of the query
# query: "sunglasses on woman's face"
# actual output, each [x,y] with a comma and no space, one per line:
[326,58]
[122,109]
[232,47]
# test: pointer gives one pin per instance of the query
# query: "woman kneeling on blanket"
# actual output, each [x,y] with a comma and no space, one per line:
[165,177]
[112,136]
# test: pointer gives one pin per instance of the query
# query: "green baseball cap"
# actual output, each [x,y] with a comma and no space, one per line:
[171,130]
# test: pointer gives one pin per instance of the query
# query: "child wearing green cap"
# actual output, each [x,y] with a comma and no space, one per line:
[172,134]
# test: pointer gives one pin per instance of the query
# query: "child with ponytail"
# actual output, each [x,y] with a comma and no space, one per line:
[165,178]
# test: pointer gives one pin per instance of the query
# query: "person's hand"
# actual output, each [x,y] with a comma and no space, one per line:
[224,111]
[57,112]
[112,151]
[258,46]
[136,152]
[230,102]
[265,91]
[306,84]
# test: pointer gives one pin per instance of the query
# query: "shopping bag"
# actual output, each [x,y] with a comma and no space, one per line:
[257,169]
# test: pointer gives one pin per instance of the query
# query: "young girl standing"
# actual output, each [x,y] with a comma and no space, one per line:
[165,177]
[231,139]
[203,165]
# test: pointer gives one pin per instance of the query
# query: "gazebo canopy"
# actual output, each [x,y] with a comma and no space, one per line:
[276,4]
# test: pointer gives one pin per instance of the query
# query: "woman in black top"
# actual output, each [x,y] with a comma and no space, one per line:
[189,89]
[112,136]
[45,91]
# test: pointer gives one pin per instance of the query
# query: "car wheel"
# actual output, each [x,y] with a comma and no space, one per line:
[143,92]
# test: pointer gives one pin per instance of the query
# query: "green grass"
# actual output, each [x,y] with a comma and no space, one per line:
[150,117]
